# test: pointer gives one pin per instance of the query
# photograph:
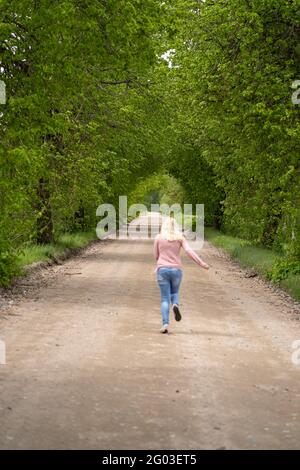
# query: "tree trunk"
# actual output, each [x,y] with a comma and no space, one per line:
[44,221]
[79,221]
[217,221]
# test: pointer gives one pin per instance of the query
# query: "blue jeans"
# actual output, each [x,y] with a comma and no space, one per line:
[169,280]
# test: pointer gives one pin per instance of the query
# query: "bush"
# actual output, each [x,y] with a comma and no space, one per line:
[292,285]
[9,267]
[282,269]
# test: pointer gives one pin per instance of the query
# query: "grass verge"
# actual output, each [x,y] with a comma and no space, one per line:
[33,253]
[261,260]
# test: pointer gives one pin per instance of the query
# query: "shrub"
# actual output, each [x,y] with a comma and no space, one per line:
[9,267]
[282,269]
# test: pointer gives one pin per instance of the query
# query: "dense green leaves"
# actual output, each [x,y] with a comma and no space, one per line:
[236,130]
[80,124]
[103,94]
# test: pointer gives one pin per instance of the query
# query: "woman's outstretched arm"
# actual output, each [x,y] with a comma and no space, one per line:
[156,250]
[193,255]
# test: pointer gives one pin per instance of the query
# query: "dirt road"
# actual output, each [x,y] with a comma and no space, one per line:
[87,367]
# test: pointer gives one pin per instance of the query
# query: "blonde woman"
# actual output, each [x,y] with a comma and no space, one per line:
[167,246]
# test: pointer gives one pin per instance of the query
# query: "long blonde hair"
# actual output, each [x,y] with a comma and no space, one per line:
[170,229]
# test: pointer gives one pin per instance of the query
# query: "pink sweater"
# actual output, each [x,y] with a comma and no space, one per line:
[167,253]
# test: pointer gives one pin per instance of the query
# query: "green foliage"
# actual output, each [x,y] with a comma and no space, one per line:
[283,269]
[234,127]
[95,111]
[292,285]
[32,253]
[8,265]
[82,121]
[160,188]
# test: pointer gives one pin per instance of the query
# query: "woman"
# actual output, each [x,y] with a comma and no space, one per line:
[167,247]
